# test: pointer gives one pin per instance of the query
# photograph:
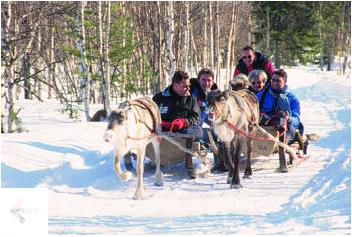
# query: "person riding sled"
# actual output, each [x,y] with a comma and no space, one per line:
[280,107]
[180,112]
[252,60]
[200,87]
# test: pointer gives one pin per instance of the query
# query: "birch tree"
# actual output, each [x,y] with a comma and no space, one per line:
[169,40]
[85,79]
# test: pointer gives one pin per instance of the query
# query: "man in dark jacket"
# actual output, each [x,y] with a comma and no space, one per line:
[180,112]
[200,87]
[251,60]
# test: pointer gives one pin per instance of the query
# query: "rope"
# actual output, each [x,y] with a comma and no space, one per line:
[269,137]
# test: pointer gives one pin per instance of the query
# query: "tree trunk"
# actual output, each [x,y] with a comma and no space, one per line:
[217,43]
[195,52]
[102,52]
[85,79]
[211,36]
[107,58]
[169,40]
[268,26]
[162,81]
[8,70]
[277,54]
[205,39]
[38,64]
[51,68]
[185,44]
[229,44]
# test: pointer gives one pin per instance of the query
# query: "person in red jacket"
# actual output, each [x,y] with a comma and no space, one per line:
[251,60]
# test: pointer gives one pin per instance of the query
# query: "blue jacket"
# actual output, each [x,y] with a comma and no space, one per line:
[270,104]
[201,99]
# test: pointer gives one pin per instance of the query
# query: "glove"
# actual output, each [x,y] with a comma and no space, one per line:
[279,120]
[178,124]
[167,125]
[265,119]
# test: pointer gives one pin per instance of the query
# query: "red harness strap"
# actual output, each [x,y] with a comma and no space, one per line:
[243,133]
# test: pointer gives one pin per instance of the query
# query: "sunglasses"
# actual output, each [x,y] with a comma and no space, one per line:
[249,57]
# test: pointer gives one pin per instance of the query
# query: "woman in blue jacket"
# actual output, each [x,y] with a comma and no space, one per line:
[278,101]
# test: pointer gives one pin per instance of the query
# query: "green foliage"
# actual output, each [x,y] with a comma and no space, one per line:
[72,109]
[17,121]
[302,30]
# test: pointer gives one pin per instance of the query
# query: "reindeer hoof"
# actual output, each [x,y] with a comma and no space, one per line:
[247,176]
[138,197]
[236,186]
[229,179]
[159,183]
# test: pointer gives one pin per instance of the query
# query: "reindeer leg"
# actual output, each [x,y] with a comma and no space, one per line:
[228,152]
[236,183]
[124,176]
[248,171]
[139,194]
[158,174]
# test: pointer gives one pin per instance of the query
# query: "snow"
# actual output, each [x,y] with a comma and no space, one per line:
[71,160]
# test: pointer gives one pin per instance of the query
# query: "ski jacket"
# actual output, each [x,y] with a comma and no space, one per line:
[201,98]
[261,62]
[269,103]
[173,106]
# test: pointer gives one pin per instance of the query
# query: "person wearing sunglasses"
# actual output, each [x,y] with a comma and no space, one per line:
[257,80]
[251,60]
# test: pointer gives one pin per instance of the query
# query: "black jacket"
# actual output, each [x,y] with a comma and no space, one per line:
[259,63]
[173,106]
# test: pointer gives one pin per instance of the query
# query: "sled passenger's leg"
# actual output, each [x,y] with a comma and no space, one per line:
[128,161]
[188,160]
[282,158]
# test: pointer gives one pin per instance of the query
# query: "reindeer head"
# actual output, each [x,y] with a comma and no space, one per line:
[217,105]
[117,123]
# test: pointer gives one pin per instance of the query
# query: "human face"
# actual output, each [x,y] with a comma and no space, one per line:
[248,57]
[277,82]
[206,81]
[182,88]
[258,83]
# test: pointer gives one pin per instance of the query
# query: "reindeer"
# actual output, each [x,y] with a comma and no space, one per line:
[132,127]
[240,109]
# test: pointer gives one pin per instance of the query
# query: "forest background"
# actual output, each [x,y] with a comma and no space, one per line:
[85,53]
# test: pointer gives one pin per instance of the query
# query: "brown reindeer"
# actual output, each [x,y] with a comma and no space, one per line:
[240,109]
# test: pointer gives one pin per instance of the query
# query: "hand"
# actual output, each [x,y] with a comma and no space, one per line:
[167,125]
[265,119]
[178,124]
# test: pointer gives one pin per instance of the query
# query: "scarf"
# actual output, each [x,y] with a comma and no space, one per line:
[283,102]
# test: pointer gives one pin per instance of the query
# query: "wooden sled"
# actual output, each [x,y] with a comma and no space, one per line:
[169,153]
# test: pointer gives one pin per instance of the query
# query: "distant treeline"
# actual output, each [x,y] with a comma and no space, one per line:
[98,52]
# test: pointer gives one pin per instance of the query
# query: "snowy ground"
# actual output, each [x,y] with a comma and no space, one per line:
[72,161]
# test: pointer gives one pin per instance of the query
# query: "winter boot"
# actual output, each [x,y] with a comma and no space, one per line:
[188,160]
[282,159]
[219,163]
[128,161]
